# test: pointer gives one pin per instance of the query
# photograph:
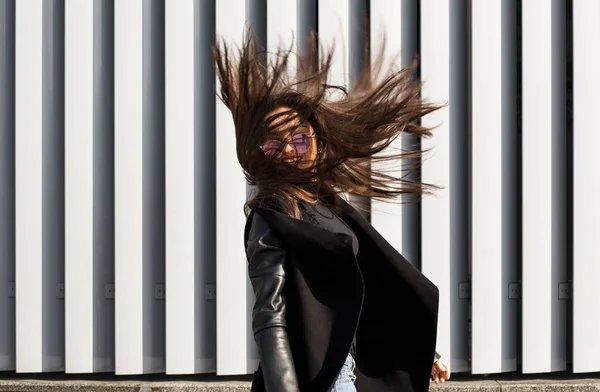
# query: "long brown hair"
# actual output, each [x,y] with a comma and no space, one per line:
[354,130]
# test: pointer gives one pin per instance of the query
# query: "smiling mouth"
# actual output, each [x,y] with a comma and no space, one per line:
[291,161]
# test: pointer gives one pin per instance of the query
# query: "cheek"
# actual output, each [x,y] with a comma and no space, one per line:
[312,151]
[308,158]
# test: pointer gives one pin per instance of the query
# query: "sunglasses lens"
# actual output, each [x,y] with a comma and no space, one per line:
[271,148]
[302,142]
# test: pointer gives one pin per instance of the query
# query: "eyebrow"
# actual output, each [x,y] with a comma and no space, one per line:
[299,129]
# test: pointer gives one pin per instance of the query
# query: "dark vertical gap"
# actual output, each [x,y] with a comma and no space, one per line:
[256,19]
[519,174]
[153,178]
[256,24]
[358,60]
[53,183]
[569,169]
[459,161]
[510,197]
[205,178]
[307,22]
[307,25]
[358,39]
[467,184]
[411,211]
[559,177]
[7,176]
[104,188]
[418,228]
[366,33]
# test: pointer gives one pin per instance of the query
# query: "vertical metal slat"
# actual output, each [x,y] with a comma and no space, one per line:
[39,186]
[586,186]
[386,19]
[28,185]
[333,30]
[190,312]
[544,181]
[234,336]
[89,270]
[180,267]
[281,27]
[444,231]
[79,175]
[129,255]
[494,188]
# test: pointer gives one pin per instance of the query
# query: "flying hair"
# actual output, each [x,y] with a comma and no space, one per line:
[355,129]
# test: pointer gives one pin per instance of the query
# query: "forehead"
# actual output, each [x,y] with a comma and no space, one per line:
[282,119]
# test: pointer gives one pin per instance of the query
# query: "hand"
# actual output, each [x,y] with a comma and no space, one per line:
[440,371]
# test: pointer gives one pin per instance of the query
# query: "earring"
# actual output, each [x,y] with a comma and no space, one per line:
[319,150]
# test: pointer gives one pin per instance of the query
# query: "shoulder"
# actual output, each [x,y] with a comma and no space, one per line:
[259,230]
[264,249]
[256,224]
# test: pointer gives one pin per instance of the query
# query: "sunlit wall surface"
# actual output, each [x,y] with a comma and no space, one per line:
[121,220]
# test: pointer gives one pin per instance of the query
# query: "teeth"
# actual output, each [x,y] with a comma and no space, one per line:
[291,160]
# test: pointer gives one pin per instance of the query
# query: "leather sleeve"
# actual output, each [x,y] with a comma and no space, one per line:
[266,261]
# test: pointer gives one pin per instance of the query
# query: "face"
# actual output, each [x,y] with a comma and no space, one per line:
[290,142]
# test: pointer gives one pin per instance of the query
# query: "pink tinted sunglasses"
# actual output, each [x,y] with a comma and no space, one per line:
[274,148]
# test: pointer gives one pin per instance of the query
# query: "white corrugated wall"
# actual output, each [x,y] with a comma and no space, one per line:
[121,196]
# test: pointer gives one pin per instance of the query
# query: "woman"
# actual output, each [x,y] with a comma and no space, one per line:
[337,307]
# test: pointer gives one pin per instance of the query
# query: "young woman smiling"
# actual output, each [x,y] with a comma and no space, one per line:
[337,307]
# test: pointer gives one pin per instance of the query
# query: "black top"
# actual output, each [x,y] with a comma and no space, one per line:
[321,216]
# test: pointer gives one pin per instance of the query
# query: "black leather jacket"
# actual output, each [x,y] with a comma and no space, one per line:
[266,258]
[266,269]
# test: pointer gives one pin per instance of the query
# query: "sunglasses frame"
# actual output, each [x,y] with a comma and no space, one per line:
[284,142]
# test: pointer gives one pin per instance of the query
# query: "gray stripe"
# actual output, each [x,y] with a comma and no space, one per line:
[7,181]
[153,174]
[205,169]
[459,165]
[53,182]
[411,212]
[104,189]
[256,20]
[359,14]
[307,21]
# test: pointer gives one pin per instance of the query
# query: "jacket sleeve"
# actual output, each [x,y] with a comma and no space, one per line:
[436,357]
[266,258]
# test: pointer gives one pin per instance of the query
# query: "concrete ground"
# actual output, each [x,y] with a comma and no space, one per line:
[11,382]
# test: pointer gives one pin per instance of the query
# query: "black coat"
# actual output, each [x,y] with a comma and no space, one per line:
[330,295]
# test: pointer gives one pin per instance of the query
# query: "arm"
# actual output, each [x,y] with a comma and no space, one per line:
[266,258]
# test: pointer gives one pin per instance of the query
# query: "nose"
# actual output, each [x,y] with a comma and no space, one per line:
[289,149]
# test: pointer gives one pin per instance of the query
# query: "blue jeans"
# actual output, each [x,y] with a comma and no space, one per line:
[345,380]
